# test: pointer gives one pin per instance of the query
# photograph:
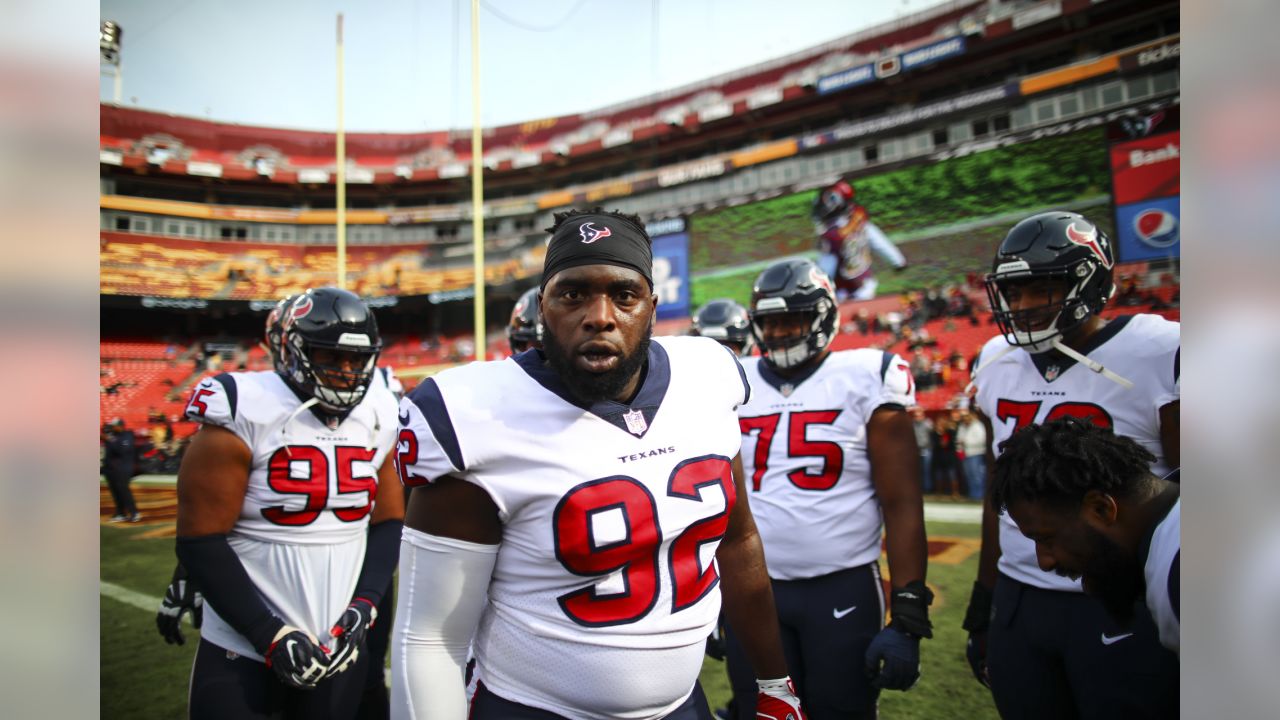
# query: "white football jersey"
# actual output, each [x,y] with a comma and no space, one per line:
[302,527]
[1020,389]
[605,586]
[1163,573]
[804,450]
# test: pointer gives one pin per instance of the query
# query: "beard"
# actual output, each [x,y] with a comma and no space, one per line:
[593,387]
[1113,578]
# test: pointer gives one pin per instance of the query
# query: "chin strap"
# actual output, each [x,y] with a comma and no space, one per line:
[1058,345]
[373,435]
[298,411]
[1092,364]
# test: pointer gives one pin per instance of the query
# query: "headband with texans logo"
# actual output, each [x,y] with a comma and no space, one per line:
[596,239]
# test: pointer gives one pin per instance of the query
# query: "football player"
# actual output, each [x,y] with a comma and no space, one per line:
[846,238]
[589,491]
[524,330]
[280,522]
[726,322]
[182,596]
[828,449]
[1087,499]
[1045,649]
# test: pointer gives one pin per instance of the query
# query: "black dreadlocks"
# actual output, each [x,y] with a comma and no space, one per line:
[1058,462]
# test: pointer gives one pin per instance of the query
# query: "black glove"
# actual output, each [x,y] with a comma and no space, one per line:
[180,598]
[296,658]
[893,658]
[977,619]
[349,633]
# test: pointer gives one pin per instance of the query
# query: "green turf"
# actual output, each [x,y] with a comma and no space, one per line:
[142,677]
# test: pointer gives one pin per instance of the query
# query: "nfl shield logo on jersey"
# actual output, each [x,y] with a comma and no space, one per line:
[786,389]
[1051,373]
[636,424]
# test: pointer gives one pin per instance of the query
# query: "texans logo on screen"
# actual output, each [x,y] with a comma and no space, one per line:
[1156,228]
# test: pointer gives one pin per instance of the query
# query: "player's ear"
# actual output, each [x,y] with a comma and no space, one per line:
[1099,509]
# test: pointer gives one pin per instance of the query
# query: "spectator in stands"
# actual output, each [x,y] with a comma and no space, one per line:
[922,370]
[863,321]
[971,444]
[924,441]
[118,464]
[945,462]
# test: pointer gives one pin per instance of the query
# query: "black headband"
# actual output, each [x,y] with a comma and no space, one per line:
[596,239]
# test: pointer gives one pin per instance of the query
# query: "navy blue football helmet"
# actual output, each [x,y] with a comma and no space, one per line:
[330,347]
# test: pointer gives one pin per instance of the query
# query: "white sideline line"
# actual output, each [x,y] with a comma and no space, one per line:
[129,597]
[943,512]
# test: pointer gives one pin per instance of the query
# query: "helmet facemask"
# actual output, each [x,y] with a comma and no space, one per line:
[798,348]
[336,385]
[1066,307]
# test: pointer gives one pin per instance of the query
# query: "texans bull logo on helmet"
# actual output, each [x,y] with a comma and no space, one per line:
[1089,238]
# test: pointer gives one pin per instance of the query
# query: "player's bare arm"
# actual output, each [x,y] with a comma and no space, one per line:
[989,554]
[212,482]
[454,508]
[390,502]
[895,470]
[745,588]
[1170,426]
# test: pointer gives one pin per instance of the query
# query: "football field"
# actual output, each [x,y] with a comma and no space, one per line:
[142,677]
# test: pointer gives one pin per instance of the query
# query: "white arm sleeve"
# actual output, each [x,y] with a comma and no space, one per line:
[883,246]
[443,587]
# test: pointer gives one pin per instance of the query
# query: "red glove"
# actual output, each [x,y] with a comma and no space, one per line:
[777,700]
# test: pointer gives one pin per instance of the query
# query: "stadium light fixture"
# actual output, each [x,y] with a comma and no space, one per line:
[110,38]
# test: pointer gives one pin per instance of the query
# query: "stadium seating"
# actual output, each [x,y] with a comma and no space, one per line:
[133,264]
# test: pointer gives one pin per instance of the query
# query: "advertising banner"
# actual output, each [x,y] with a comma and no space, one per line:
[1146,168]
[932,53]
[671,275]
[1148,230]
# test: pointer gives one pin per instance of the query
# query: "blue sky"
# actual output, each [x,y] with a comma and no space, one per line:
[407,62]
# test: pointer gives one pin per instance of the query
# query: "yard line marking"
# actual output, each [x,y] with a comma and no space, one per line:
[129,597]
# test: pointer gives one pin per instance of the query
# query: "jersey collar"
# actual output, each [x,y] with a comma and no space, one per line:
[1053,364]
[653,388]
[776,381]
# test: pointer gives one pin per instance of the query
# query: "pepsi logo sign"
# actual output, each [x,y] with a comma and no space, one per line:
[1156,228]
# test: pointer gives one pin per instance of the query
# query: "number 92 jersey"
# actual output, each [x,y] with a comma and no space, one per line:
[309,483]
[1020,389]
[605,585]
[804,450]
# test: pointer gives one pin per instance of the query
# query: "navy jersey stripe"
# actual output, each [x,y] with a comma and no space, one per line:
[1177,363]
[746,386]
[229,385]
[428,399]
[1173,586]
[885,360]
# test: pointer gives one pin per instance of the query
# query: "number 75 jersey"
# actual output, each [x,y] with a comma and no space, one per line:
[804,450]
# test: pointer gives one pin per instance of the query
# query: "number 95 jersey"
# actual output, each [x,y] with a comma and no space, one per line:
[1020,389]
[804,450]
[309,483]
[605,586]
